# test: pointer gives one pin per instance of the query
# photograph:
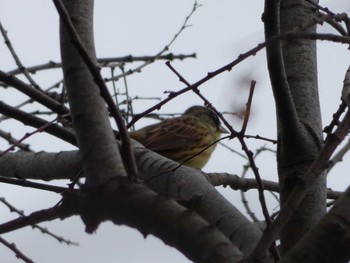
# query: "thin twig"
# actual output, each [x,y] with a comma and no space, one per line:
[21,67]
[239,59]
[199,152]
[248,107]
[243,196]
[233,150]
[40,186]
[29,101]
[28,119]
[166,48]
[335,120]
[61,211]
[27,135]
[34,94]
[105,62]
[339,156]
[330,20]
[18,253]
[240,137]
[258,137]
[43,230]
[207,103]
[258,180]
[8,137]
[337,17]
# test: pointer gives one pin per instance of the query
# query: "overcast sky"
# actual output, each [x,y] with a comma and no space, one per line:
[219,32]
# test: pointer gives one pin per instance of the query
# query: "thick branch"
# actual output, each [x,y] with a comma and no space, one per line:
[302,187]
[329,240]
[101,159]
[297,153]
[188,185]
[135,205]
[42,166]
[192,187]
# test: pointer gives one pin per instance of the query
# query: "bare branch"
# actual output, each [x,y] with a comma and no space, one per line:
[300,190]
[36,95]
[37,122]
[106,62]
[16,58]
[248,107]
[8,137]
[166,48]
[345,94]
[18,253]
[245,184]
[240,58]
[42,229]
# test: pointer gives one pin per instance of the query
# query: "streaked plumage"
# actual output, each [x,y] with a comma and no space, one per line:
[183,137]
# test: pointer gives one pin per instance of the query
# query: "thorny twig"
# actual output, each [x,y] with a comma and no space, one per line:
[160,53]
[18,253]
[16,58]
[43,230]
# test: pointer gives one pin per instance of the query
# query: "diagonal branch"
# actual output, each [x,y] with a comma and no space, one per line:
[21,67]
[292,203]
[42,229]
[18,253]
[31,120]
[36,95]
[135,205]
[228,67]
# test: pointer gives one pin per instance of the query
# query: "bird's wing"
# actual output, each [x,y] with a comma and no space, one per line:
[172,134]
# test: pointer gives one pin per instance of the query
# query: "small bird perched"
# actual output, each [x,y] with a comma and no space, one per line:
[183,137]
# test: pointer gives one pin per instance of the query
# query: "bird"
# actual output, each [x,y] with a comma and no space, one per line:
[188,139]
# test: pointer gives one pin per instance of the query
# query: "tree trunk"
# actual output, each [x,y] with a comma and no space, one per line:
[300,64]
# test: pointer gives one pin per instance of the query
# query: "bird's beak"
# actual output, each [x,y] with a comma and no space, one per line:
[222,129]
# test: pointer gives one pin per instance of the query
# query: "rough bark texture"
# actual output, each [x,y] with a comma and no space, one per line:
[294,158]
[101,159]
[329,241]
[190,186]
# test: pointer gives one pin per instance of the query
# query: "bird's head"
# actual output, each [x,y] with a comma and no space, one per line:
[207,115]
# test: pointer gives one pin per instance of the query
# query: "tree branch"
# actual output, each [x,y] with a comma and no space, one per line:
[316,245]
[31,120]
[36,95]
[128,156]
[135,205]
[301,188]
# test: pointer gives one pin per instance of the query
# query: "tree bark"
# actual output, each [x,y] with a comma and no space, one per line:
[95,138]
[293,72]
[327,242]
[300,61]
